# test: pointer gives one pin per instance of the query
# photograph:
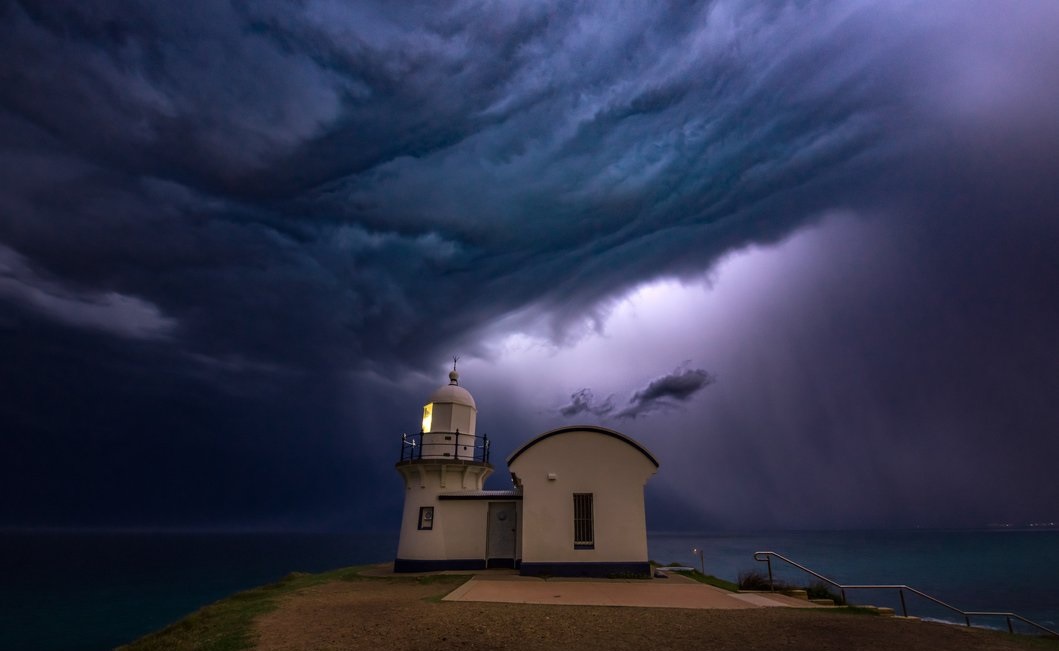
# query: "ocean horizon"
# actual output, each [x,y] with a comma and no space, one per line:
[87,591]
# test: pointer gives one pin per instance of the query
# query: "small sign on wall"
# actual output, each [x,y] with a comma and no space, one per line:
[426,517]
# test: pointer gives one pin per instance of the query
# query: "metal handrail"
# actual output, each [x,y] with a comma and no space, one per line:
[412,447]
[766,557]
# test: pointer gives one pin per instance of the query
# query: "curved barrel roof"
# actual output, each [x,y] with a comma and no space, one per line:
[583,428]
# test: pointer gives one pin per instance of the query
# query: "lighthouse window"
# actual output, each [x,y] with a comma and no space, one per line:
[427,411]
[426,517]
[584,534]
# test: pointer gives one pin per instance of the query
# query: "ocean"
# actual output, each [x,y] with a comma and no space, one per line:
[94,591]
[987,570]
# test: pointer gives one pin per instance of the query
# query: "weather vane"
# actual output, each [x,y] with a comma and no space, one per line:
[455,358]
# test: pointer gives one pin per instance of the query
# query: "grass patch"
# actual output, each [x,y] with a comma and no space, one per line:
[855,610]
[709,579]
[432,579]
[225,625]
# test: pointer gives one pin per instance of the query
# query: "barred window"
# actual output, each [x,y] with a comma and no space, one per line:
[584,536]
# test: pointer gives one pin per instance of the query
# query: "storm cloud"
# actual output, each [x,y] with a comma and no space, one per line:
[238,241]
[664,392]
[584,402]
[661,393]
[390,159]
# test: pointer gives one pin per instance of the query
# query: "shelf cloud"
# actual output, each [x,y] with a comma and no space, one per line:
[256,231]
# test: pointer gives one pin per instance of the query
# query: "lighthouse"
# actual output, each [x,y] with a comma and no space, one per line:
[446,459]
[575,506]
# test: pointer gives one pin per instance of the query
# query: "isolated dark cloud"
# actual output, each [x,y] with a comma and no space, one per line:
[583,401]
[664,392]
[261,223]
[661,393]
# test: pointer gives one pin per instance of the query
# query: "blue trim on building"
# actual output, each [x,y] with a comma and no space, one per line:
[437,565]
[599,570]
[500,562]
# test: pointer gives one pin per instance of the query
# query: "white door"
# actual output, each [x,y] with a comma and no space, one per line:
[500,547]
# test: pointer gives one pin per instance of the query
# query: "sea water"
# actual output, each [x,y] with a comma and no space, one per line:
[988,570]
[94,591]
[87,592]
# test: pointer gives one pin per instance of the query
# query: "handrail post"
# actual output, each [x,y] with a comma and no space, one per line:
[967,618]
[1010,629]
[768,561]
[904,610]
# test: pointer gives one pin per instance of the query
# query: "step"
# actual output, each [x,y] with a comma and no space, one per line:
[880,610]
[823,602]
[797,594]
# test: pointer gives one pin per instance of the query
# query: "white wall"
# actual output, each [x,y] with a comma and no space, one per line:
[583,461]
[459,525]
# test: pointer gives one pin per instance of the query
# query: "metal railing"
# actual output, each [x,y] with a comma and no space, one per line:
[461,447]
[766,557]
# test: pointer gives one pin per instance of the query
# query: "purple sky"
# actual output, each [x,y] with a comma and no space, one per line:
[807,253]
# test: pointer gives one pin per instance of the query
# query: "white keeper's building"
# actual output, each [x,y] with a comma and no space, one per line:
[576,507]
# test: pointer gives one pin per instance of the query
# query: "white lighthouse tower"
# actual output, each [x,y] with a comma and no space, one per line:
[447,458]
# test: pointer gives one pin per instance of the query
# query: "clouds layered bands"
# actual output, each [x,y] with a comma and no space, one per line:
[298,195]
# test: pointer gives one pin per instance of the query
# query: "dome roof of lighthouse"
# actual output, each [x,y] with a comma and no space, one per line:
[453,392]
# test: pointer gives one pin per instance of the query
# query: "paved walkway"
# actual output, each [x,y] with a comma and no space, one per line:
[676,592]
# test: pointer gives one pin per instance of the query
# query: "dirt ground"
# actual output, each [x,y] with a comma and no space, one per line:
[381,614]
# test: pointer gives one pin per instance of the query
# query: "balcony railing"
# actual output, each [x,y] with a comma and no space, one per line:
[445,445]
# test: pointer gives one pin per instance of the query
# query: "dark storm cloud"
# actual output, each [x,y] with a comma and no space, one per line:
[298,203]
[366,164]
[660,393]
[583,401]
[111,312]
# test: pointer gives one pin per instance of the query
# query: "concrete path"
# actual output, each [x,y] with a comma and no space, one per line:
[667,593]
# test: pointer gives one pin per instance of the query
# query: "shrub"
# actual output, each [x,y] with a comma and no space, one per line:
[754,580]
[821,590]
